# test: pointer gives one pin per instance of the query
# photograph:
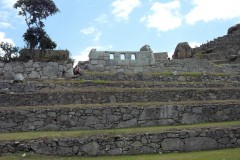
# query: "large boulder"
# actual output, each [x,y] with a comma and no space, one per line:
[182,51]
[146,48]
[234,29]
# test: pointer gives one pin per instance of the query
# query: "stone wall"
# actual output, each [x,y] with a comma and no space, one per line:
[188,65]
[36,70]
[115,116]
[137,143]
[225,48]
[160,56]
[88,96]
[128,62]
[26,87]
[100,62]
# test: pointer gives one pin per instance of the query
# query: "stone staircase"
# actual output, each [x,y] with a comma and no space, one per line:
[120,114]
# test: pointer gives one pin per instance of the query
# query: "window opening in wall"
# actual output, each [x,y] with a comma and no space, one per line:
[133,56]
[122,56]
[111,56]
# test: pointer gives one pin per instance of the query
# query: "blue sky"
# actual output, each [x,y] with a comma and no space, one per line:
[126,25]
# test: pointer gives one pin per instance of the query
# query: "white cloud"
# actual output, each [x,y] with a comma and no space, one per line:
[97,36]
[209,10]
[102,19]
[92,31]
[5,25]
[122,8]
[83,56]
[164,16]
[194,44]
[4,39]
[89,30]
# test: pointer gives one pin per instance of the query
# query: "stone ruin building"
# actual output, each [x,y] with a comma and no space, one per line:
[223,50]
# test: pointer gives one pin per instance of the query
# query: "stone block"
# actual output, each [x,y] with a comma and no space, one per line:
[172,144]
[36,65]
[18,69]
[101,62]
[94,62]
[50,71]
[7,67]
[126,124]
[34,75]
[200,143]
[28,64]
[190,119]
[1,64]
[91,148]
[116,151]
[9,75]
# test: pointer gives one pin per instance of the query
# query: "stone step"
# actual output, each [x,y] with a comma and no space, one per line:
[142,140]
[110,116]
[119,95]
[36,86]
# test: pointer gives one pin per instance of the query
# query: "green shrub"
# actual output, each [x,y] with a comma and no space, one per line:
[198,55]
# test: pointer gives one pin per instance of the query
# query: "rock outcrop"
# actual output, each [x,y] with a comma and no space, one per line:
[234,29]
[146,48]
[182,51]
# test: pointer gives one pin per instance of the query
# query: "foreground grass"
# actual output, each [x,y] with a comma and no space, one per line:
[111,132]
[228,154]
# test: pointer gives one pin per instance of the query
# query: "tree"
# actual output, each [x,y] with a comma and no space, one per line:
[35,11]
[8,51]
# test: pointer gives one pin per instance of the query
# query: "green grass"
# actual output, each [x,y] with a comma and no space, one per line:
[227,154]
[112,132]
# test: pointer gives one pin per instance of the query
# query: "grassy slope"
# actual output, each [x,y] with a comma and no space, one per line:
[228,154]
[61,134]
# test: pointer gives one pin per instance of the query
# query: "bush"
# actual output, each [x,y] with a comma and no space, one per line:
[198,55]
[47,55]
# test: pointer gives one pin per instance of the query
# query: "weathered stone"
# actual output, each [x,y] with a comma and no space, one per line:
[137,144]
[147,150]
[28,126]
[116,151]
[50,71]
[7,124]
[18,69]
[234,29]
[18,77]
[28,64]
[9,75]
[91,148]
[125,124]
[91,121]
[34,75]
[172,144]
[182,51]
[7,67]
[146,48]
[65,151]
[44,150]
[112,99]
[200,143]
[50,127]
[191,118]
[113,118]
